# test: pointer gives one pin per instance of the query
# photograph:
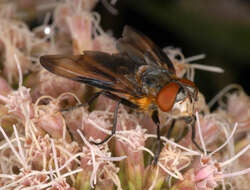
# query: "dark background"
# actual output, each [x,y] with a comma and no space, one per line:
[218,28]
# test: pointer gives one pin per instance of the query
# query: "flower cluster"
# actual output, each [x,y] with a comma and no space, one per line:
[42,146]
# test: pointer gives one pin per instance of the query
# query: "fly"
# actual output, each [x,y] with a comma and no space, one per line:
[140,76]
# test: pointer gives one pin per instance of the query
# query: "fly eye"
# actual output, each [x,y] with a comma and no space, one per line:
[167,95]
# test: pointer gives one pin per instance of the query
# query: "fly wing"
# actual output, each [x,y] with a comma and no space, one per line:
[141,49]
[99,69]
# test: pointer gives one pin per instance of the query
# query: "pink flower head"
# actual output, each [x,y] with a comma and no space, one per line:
[172,160]
[239,109]
[75,120]
[131,143]
[52,85]
[97,124]
[20,103]
[208,175]
[17,40]
[98,161]
[105,43]
[80,26]
[49,118]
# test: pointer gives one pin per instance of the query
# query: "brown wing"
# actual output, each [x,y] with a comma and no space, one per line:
[141,49]
[99,69]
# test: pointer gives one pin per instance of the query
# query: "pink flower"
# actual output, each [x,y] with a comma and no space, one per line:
[52,85]
[19,102]
[50,119]
[239,109]
[208,175]
[97,164]
[80,26]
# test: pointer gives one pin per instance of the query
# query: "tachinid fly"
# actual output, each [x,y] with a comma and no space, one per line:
[140,76]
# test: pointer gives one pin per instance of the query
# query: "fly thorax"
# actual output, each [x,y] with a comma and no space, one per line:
[152,79]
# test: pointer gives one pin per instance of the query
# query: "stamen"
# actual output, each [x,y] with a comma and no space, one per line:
[176,145]
[226,142]
[3,98]
[99,127]
[200,133]
[20,149]
[73,158]
[236,156]
[169,172]
[95,165]
[12,147]
[207,68]
[20,82]
[54,157]
[222,93]
[195,58]
[242,172]
[7,176]
[111,9]
[70,94]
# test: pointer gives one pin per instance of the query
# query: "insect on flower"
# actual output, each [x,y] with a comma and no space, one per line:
[140,76]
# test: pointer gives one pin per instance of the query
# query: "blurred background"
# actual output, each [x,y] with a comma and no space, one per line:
[218,28]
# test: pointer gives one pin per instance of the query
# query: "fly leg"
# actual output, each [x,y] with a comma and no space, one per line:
[119,101]
[157,122]
[170,130]
[114,125]
[113,97]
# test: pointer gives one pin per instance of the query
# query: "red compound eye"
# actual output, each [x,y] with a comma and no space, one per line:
[167,95]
